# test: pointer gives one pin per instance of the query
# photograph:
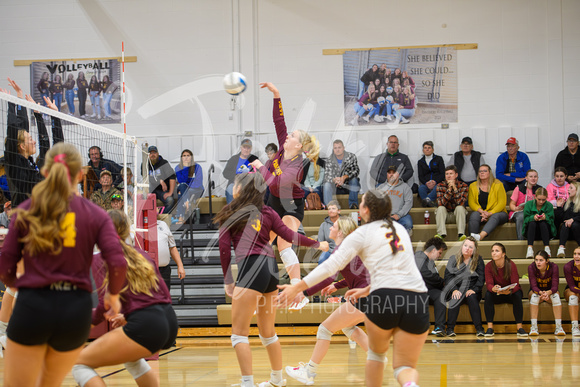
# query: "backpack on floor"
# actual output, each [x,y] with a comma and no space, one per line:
[313,201]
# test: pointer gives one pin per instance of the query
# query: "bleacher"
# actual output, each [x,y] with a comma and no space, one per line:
[315,312]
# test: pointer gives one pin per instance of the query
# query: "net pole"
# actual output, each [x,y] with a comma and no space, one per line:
[125,143]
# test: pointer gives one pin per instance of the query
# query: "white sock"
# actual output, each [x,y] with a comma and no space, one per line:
[276,376]
[312,367]
[575,324]
[3,326]
[534,322]
[247,380]
[558,321]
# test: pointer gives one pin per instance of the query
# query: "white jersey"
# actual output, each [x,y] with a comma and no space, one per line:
[371,243]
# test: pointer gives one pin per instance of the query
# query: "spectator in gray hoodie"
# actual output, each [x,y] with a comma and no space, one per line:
[401,198]
[324,230]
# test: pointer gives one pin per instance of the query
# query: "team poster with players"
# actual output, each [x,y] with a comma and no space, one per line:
[409,86]
[86,89]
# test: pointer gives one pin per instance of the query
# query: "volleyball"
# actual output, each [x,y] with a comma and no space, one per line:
[235,83]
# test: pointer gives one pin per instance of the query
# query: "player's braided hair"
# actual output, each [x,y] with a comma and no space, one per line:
[379,206]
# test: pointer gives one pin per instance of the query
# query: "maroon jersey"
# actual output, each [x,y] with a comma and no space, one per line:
[491,280]
[84,226]
[356,276]
[131,302]
[283,176]
[572,274]
[548,281]
[255,239]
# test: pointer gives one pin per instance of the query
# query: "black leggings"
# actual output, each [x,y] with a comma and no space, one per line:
[567,232]
[491,299]
[538,230]
[472,302]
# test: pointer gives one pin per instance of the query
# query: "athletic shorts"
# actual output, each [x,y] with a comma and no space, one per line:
[395,308]
[259,273]
[61,319]
[292,207]
[154,327]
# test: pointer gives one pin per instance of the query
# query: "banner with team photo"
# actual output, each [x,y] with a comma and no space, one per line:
[86,89]
[405,86]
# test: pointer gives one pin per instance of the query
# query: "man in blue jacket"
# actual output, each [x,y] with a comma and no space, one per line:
[431,171]
[512,165]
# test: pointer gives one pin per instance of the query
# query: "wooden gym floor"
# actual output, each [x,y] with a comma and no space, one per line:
[465,361]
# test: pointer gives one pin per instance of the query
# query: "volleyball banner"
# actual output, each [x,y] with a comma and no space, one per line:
[87,89]
[400,86]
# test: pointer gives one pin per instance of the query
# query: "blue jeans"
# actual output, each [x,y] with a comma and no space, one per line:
[425,192]
[70,100]
[407,113]
[42,95]
[362,89]
[324,256]
[230,193]
[95,101]
[57,99]
[406,221]
[360,110]
[352,187]
[318,190]
[168,203]
[107,102]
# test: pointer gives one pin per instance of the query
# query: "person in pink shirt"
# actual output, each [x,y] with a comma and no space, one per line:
[524,192]
[501,272]
[558,194]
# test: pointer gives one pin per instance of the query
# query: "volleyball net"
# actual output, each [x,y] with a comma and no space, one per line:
[101,149]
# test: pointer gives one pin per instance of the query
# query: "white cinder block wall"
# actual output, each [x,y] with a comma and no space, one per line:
[523,79]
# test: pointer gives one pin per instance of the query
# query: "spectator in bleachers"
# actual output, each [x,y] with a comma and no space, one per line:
[167,250]
[502,272]
[4,179]
[391,158]
[425,260]
[464,279]
[524,192]
[313,177]
[487,200]
[130,185]
[512,165]
[467,161]
[190,183]
[572,292]
[451,203]
[431,171]
[238,163]
[544,279]
[571,219]
[558,194]
[341,175]
[162,179]
[103,196]
[333,208]
[539,221]
[566,158]
[99,164]
[5,215]
[401,198]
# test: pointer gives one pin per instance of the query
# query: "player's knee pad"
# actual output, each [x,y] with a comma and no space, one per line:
[573,300]
[398,370]
[349,331]
[12,292]
[535,299]
[137,368]
[380,357]
[268,340]
[323,333]
[555,299]
[288,257]
[82,374]
[236,339]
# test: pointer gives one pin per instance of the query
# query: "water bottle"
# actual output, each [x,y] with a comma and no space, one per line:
[427,217]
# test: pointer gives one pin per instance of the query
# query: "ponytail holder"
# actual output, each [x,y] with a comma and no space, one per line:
[61,158]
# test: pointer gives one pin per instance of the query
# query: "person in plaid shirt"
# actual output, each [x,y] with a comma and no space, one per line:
[451,203]
[341,175]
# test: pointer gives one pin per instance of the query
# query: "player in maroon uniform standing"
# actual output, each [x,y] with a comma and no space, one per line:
[247,222]
[283,177]
[544,279]
[54,232]
[572,292]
